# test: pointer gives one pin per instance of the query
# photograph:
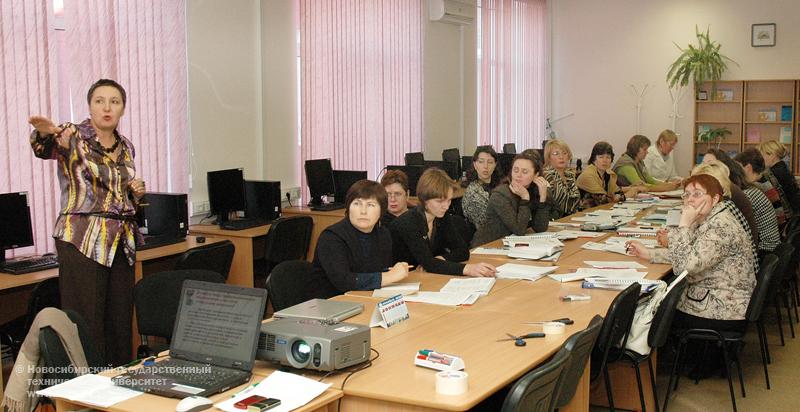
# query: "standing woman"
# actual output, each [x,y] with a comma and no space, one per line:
[773,153]
[426,235]
[566,197]
[518,205]
[482,179]
[356,252]
[96,230]
[598,183]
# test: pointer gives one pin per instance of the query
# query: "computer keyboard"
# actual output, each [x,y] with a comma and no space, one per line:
[182,372]
[243,224]
[327,207]
[19,267]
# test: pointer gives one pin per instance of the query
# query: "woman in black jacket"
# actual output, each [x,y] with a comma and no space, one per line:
[774,153]
[356,252]
[426,235]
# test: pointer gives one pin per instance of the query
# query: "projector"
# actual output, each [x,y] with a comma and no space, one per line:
[309,344]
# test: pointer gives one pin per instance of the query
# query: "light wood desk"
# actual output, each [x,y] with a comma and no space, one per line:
[243,241]
[15,291]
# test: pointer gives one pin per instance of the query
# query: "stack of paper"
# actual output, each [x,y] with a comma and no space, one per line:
[481,286]
[501,251]
[633,205]
[650,243]
[607,247]
[396,289]
[669,202]
[90,389]
[443,298]
[526,272]
[619,283]
[563,234]
[593,273]
[526,240]
[624,264]
[293,390]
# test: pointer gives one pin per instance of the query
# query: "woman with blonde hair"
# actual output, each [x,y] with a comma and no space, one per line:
[778,172]
[566,198]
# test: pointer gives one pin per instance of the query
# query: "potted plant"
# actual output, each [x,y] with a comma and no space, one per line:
[699,63]
[713,135]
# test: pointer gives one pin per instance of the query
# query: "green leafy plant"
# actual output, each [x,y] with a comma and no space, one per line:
[699,63]
[711,135]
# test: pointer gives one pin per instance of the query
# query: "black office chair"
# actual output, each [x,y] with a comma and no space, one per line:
[656,338]
[731,341]
[613,335]
[287,284]
[216,257]
[156,298]
[415,159]
[510,148]
[288,239]
[580,347]
[44,295]
[536,390]
[780,291]
[451,155]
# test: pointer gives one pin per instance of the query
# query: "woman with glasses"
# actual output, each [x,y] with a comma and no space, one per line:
[632,171]
[598,183]
[396,184]
[717,254]
[483,178]
[566,197]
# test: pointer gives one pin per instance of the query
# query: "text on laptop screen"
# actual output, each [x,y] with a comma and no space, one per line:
[217,323]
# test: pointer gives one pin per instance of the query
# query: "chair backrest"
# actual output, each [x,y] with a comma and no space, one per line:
[614,333]
[662,320]
[287,284]
[535,391]
[767,275]
[415,159]
[156,298]
[44,295]
[451,155]
[54,354]
[580,347]
[216,257]
[510,148]
[288,239]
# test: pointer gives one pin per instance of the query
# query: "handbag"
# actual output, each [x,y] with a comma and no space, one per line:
[643,318]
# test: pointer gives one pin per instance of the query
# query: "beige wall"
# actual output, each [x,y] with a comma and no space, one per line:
[600,48]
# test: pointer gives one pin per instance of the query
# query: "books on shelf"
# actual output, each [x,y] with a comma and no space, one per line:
[724,95]
[753,136]
[786,113]
[786,134]
[767,115]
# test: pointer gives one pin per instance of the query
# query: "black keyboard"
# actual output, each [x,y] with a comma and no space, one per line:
[19,267]
[243,224]
[325,207]
[187,373]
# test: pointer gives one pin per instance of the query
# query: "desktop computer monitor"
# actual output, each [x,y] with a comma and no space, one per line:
[451,168]
[15,222]
[504,162]
[226,192]
[263,199]
[413,173]
[165,215]
[319,177]
[343,179]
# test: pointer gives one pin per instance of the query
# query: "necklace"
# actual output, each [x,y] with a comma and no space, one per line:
[113,147]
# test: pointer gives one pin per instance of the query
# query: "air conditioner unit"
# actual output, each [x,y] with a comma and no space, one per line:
[451,11]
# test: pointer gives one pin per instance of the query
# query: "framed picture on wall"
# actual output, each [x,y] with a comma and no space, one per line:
[762,35]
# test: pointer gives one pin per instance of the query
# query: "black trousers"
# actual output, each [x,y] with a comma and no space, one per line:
[102,295]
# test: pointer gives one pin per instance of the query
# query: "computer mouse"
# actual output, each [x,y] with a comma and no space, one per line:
[200,239]
[193,404]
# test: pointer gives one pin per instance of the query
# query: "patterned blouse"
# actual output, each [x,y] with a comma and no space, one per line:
[475,202]
[719,257]
[768,234]
[774,197]
[566,198]
[97,208]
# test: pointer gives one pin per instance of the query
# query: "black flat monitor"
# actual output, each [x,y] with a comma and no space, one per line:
[163,214]
[451,168]
[504,162]
[415,159]
[15,222]
[466,164]
[319,177]
[413,173]
[226,192]
[263,199]
[343,179]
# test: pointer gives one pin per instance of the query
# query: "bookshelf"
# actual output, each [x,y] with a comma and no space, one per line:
[754,111]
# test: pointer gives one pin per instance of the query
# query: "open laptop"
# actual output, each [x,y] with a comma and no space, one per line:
[325,311]
[214,343]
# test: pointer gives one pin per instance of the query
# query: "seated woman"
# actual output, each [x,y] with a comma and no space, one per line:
[718,162]
[715,250]
[777,171]
[426,235]
[754,170]
[566,199]
[396,184]
[482,179]
[631,170]
[518,205]
[598,183]
[354,253]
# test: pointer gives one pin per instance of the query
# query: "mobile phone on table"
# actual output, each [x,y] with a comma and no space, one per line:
[244,403]
[264,405]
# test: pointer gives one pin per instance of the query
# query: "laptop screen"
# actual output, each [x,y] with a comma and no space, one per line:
[218,324]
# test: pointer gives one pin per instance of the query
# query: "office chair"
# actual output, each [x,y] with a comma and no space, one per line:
[216,257]
[656,338]
[579,345]
[780,290]
[288,239]
[510,148]
[731,341]
[536,390]
[287,284]
[44,295]
[415,159]
[156,298]
[610,344]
